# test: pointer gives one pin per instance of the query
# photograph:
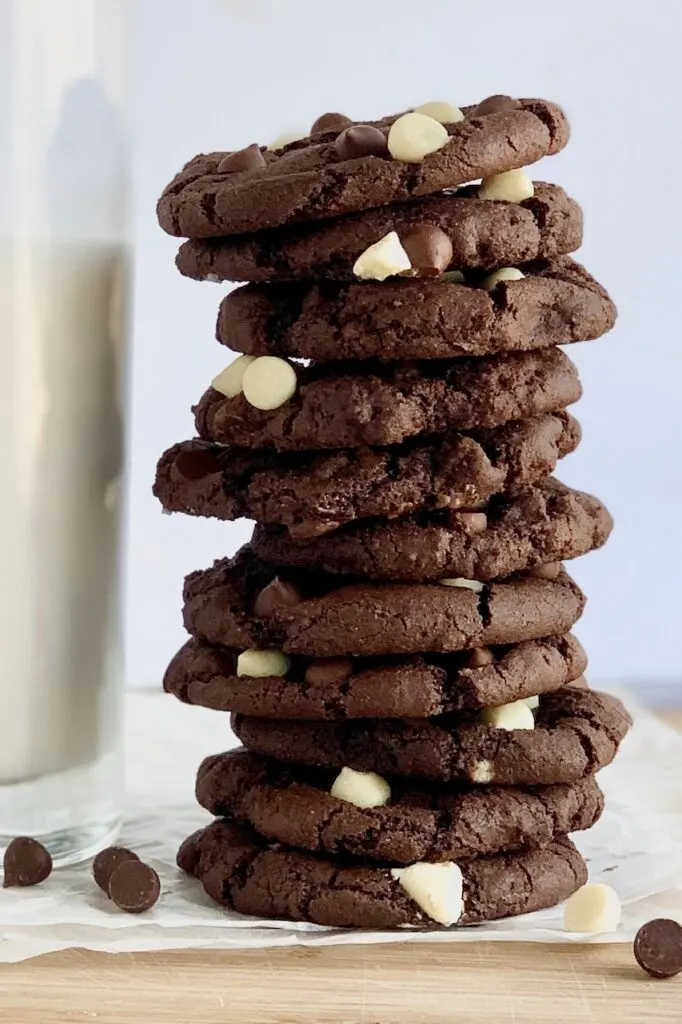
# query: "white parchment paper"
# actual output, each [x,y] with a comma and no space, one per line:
[636,847]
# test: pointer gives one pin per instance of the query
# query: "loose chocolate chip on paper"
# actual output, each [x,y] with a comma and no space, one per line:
[26,862]
[658,947]
[276,595]
[106,862]
[429,249]
[361,140]
[248,159]
[493,104]
[329,122]
[134,886]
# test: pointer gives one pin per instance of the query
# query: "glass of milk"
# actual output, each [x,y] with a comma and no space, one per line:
[63,279]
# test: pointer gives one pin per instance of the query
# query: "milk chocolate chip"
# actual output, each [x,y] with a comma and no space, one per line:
[248,159]
[328,122]
[429,249]
[361,140]
[276,595]
[493,104]
[195,464]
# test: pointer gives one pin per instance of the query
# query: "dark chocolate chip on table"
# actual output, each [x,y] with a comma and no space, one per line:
[26,862]
[106,862]
[658,947]
[134,887]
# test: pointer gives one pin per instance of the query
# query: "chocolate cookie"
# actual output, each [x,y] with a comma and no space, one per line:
[311,494]
[352,405]
[545,523]
[315,179]
[482,234]
[556,303]
[420,686]
[295,807]
[242,871]
[577,732]
[366,619]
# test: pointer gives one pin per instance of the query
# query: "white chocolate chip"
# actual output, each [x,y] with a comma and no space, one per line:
[413,136]
[230,381]
[594,908]
[436,888]
[532,702]
[474,585]
[364,789]
[503,274]
[213,278]
[510,186]
[452,277]
[482,772]
[283,140]
[516,715]
[440,111]
[382,259]
[259,664]
[269,382]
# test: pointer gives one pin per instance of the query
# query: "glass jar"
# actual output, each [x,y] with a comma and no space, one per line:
[63,281]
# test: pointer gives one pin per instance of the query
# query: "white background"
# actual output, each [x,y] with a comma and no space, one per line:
[211,75]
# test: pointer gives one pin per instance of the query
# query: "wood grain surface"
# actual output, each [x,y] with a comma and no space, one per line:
[467,983]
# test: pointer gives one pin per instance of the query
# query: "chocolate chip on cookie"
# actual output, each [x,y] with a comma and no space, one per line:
[417,686]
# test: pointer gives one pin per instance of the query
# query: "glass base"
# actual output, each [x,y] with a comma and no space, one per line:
[73,813]
[74,845]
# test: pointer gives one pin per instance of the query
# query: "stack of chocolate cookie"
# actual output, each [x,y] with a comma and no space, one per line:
[394,642]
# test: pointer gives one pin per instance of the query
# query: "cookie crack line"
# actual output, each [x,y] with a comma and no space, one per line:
[452,748]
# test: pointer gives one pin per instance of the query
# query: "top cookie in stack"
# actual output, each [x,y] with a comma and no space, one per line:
[405,571]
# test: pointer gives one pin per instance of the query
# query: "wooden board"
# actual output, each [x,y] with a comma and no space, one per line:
[486,983]
[477,983]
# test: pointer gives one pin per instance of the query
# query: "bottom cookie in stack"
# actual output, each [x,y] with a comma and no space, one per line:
[243,871]
[468,821]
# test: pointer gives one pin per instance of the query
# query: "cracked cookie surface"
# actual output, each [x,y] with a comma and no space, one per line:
[369,619]
[556,303]
[548,522]
[482,233]
[312,493]
[353,405]
[577,732]
[417,686]
[241,870]
[308,181]
[419,823]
